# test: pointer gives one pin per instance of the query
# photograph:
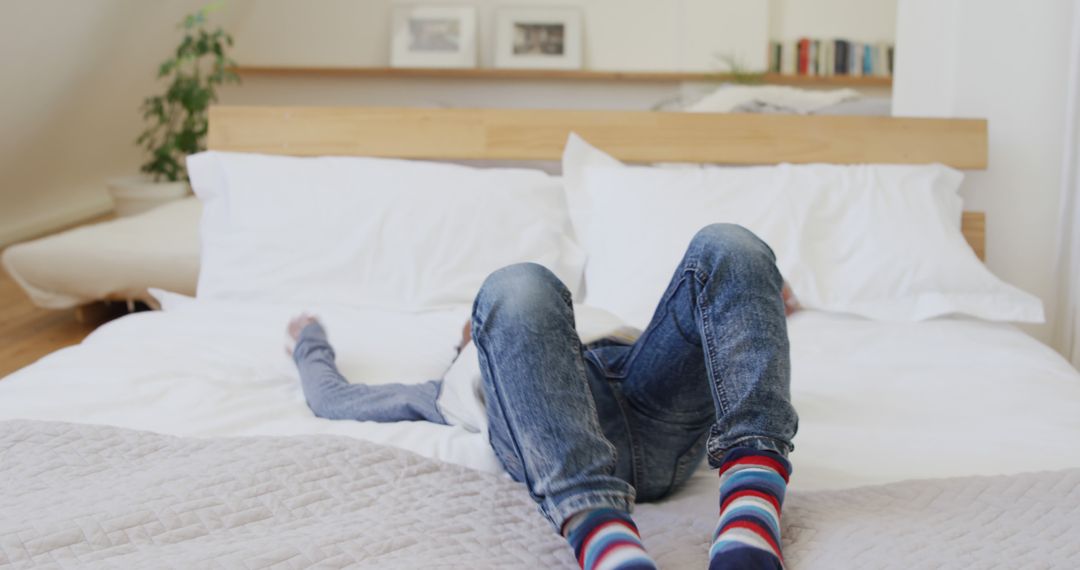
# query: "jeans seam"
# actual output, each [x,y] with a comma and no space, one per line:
[641,341]
[502,406]
[598,360]
[780,446]
[709,338]
[557,513]
[636,467]
[683,462]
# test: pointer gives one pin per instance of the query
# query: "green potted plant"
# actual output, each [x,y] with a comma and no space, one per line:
[177,119]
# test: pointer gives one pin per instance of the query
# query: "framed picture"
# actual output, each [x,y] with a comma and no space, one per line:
[538,38]
[433,36]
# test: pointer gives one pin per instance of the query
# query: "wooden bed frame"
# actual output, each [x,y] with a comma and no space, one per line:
[632,136]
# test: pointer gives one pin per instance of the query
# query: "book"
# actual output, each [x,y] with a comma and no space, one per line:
[841,57]
[804,54]
[823,58]
[829,57]
[791,56]
[881,60]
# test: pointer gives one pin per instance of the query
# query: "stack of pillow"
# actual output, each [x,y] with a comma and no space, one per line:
[883,242]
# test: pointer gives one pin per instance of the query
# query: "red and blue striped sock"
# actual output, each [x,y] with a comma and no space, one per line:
[608,539]
[752,485]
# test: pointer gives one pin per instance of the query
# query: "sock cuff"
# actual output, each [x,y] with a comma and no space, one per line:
[596,521]
[749,456]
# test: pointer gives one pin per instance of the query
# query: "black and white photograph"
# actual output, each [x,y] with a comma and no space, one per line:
[538,38]
[433,36]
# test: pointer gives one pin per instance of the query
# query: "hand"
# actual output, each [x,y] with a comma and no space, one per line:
[466,335]
[791,304]
[298,323]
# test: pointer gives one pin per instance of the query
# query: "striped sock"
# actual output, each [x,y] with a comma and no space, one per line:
[608,539]
[752,484]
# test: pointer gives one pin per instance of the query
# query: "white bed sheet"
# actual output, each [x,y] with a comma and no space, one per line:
[211,369]
[878,402]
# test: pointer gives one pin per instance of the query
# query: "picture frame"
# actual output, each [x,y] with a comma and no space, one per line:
[439,35]
[538,38]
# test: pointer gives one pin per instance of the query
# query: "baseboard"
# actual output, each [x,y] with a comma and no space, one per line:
[14,233]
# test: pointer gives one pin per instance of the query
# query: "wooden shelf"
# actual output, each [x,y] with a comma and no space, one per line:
[553,74]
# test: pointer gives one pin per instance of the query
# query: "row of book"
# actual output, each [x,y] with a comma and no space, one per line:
[831,57]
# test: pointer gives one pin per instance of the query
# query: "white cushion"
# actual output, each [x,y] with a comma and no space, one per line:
[116,259]
[393,234]
[881,241]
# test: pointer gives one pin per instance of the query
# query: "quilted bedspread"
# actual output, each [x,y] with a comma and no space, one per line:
[94,496]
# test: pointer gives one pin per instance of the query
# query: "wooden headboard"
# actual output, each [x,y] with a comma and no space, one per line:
[632,136]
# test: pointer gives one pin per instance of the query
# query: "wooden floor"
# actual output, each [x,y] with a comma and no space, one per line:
[27,333]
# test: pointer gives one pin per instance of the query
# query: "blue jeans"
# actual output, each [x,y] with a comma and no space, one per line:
[600,425]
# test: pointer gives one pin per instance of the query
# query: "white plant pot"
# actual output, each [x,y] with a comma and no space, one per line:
[134,194]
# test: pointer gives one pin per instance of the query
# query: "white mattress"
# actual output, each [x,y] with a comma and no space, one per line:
[117,259]
[878,402]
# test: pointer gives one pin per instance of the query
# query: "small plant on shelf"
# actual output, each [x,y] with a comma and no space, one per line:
[177,119]
[737,72]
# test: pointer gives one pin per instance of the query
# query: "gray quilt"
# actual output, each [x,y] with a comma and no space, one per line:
[91,496]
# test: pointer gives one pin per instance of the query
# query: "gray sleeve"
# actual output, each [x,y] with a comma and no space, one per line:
[331,396]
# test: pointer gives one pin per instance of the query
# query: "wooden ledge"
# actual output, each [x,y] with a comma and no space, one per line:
[555,75]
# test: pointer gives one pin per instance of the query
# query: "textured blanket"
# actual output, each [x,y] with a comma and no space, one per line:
[91,496]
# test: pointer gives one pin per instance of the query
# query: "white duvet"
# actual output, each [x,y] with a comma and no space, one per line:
[878,402]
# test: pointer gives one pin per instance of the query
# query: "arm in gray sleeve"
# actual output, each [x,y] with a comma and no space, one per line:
[330,396]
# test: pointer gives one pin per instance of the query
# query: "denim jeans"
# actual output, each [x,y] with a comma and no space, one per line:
[606,424]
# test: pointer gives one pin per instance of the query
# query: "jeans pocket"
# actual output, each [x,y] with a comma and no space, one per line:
[608,357]
[687,463]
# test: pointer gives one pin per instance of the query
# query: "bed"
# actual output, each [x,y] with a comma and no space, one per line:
[953,437]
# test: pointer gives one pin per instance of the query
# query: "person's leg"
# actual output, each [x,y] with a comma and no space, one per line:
[714,360]
[543,420]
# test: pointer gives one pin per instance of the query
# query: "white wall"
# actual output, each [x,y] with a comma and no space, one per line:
[1005,61]
[856,20]
[618,34]
[74,75]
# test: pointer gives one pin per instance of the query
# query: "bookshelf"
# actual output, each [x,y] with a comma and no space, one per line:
[555,75]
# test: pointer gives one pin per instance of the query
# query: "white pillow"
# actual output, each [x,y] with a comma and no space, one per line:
[884,241]
[881,241]
[393,234]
